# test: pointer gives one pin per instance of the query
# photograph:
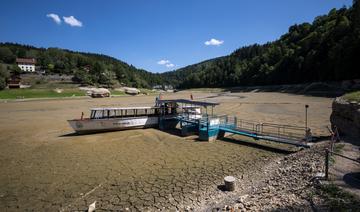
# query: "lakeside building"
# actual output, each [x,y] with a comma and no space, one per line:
[14,81]
[26,64]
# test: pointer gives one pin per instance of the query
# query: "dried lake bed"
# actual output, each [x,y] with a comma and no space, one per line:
[45,167]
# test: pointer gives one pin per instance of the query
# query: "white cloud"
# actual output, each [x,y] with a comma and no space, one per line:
[166,63]
[72,21]
[163,62]
[54,17]
[214,42]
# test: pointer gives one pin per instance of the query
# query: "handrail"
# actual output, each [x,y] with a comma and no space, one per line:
[284,125]
[327,158]
[270,129]
[340,155]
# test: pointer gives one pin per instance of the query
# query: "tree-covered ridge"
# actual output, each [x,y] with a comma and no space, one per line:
[88,68]
[326,50]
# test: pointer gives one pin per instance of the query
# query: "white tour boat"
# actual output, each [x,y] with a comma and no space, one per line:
[112,119]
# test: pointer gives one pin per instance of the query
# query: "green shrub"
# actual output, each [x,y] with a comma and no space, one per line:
[353,96]
[2,83]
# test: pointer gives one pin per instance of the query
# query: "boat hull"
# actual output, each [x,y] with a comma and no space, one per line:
[114,124]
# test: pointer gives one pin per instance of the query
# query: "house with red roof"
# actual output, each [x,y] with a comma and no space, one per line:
[26,64]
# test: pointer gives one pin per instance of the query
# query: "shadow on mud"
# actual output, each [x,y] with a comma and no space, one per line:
[75,134]
[221,187]
[70,135]
[176,132]
[352,179]
[260,146]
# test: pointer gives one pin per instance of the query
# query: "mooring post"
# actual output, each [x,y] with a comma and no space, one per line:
[229,183]
[327,153]
[306,116]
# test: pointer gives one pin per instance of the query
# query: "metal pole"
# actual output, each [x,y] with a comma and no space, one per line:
[306,109]
[326,164]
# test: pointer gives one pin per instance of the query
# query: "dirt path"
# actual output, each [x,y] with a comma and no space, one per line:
[345,173]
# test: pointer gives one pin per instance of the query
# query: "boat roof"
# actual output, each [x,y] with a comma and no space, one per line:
[123,108]
[190,102]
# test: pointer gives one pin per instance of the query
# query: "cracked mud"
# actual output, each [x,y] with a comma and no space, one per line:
[44,167]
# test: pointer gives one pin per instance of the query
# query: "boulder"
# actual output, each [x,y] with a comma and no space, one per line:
[346,117]
[100,92]
[131,91]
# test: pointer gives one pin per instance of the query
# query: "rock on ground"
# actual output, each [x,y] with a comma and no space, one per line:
[346,117]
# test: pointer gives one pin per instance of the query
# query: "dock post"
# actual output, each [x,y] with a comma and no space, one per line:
[229,183]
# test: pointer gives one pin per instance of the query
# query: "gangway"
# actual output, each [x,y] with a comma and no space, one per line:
[287,134]
[210,126]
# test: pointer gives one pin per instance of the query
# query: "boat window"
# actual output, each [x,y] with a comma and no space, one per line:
[97,114]
[129,112]
[141,112]
[111,113]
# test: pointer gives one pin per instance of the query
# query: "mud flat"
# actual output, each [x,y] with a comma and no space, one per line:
[45,167]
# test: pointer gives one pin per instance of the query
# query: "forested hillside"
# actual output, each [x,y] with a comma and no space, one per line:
[326,50]
[87,68]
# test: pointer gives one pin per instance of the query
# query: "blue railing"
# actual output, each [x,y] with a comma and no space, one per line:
[267,131]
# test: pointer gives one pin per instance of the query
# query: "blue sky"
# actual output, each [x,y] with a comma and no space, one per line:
[156,35]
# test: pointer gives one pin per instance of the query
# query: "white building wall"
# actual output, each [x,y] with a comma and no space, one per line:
[27,68]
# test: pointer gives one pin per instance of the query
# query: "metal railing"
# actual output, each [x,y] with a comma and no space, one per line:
[286,131]
[268,129]
[328,153]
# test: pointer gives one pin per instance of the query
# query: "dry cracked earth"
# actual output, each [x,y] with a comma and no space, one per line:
[45,167]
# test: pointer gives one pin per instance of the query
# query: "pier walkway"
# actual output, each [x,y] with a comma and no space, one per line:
[287,134]
[211,127]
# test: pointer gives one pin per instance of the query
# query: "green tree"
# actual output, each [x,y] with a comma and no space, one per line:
[6,55]
[81,76]
[4,75]
[15,69]
[50,67]
[108,78]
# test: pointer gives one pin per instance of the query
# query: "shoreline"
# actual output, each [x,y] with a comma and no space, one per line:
[66,98]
